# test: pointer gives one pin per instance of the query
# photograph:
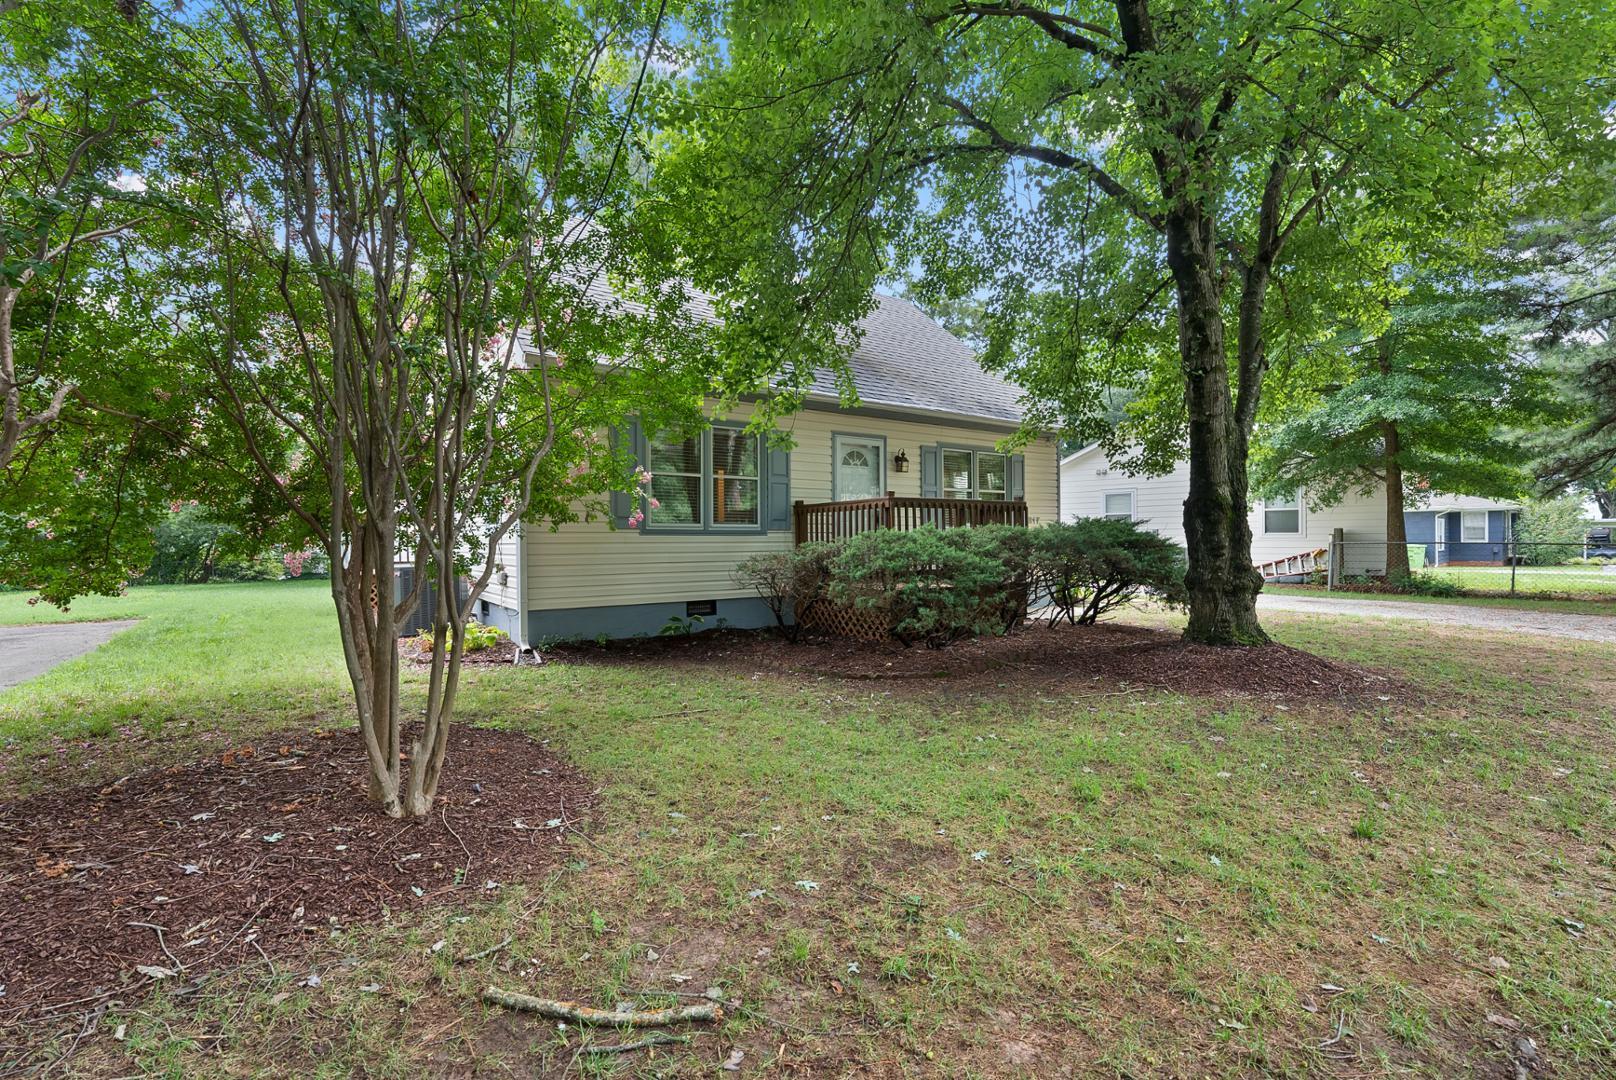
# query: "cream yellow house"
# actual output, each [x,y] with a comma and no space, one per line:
[925,444]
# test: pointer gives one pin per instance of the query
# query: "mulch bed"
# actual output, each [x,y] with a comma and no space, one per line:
[257,852]
[503,653]
[1040,653]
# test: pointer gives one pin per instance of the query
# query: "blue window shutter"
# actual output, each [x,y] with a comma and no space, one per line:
[628,436]
[1018,477]
[931,471]
[779,493]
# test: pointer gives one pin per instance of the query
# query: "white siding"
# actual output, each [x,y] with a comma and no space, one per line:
[504,584]
[588,564]
[1159,503]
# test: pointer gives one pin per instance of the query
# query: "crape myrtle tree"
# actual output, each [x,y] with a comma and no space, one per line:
[421,271]
[1129,184]
[1430,399]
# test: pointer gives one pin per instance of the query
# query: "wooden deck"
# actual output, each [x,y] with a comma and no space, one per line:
[836,520]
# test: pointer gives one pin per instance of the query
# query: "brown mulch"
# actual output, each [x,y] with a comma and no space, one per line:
[254,854]
[502,653]
[1134,657]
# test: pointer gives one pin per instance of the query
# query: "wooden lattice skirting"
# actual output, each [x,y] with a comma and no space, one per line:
[844,620]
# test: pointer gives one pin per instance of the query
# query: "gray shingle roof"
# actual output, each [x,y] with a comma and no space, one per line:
[904,360]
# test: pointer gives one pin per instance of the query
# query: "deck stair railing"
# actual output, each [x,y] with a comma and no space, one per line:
[1302,564]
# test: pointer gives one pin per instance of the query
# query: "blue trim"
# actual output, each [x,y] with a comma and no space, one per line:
[634,620]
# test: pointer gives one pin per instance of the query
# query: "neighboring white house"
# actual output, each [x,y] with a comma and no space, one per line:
[1455,528]
[927,428]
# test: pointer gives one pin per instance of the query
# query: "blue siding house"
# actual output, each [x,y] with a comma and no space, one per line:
[1462,530]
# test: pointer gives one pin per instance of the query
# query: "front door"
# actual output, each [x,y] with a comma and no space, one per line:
[858,465]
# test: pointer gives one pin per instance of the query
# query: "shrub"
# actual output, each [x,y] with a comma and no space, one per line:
[478,637]
[932,585]
[1431,585]
[789,583]
[1087,567]
[1015,547]
[1557,522]
[937,586]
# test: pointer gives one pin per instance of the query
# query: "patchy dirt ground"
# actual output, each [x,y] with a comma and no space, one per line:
[170,874]
[1039,654]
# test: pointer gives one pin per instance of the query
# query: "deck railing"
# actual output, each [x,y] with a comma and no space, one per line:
[835,520]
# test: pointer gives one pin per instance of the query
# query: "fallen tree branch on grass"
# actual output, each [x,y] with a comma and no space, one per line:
[656,1038]
[585,1014]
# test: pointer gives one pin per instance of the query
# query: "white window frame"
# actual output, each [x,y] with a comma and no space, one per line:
[1133,503]
[1301,516]
[1466,517]
[837,442]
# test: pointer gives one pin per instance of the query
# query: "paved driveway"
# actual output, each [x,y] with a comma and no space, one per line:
[1509,620]
[27,651]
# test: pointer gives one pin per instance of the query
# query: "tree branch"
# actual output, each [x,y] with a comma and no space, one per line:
[1059,159]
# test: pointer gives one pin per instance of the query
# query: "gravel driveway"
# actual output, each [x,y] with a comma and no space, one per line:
[1510,620]
[27,651]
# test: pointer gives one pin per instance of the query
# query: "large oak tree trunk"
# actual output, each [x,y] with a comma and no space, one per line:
[1222,582]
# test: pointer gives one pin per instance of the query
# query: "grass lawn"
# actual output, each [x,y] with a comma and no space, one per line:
[1589,606]
[206,656]
[942,877]
[1575,581]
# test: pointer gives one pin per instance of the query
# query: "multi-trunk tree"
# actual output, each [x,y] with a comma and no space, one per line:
[1124,181]
[417,269]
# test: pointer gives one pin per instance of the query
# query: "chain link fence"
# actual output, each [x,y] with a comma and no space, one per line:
[1481,568]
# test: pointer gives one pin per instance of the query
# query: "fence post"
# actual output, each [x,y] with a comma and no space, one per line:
[1338,558]
[1513,561]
